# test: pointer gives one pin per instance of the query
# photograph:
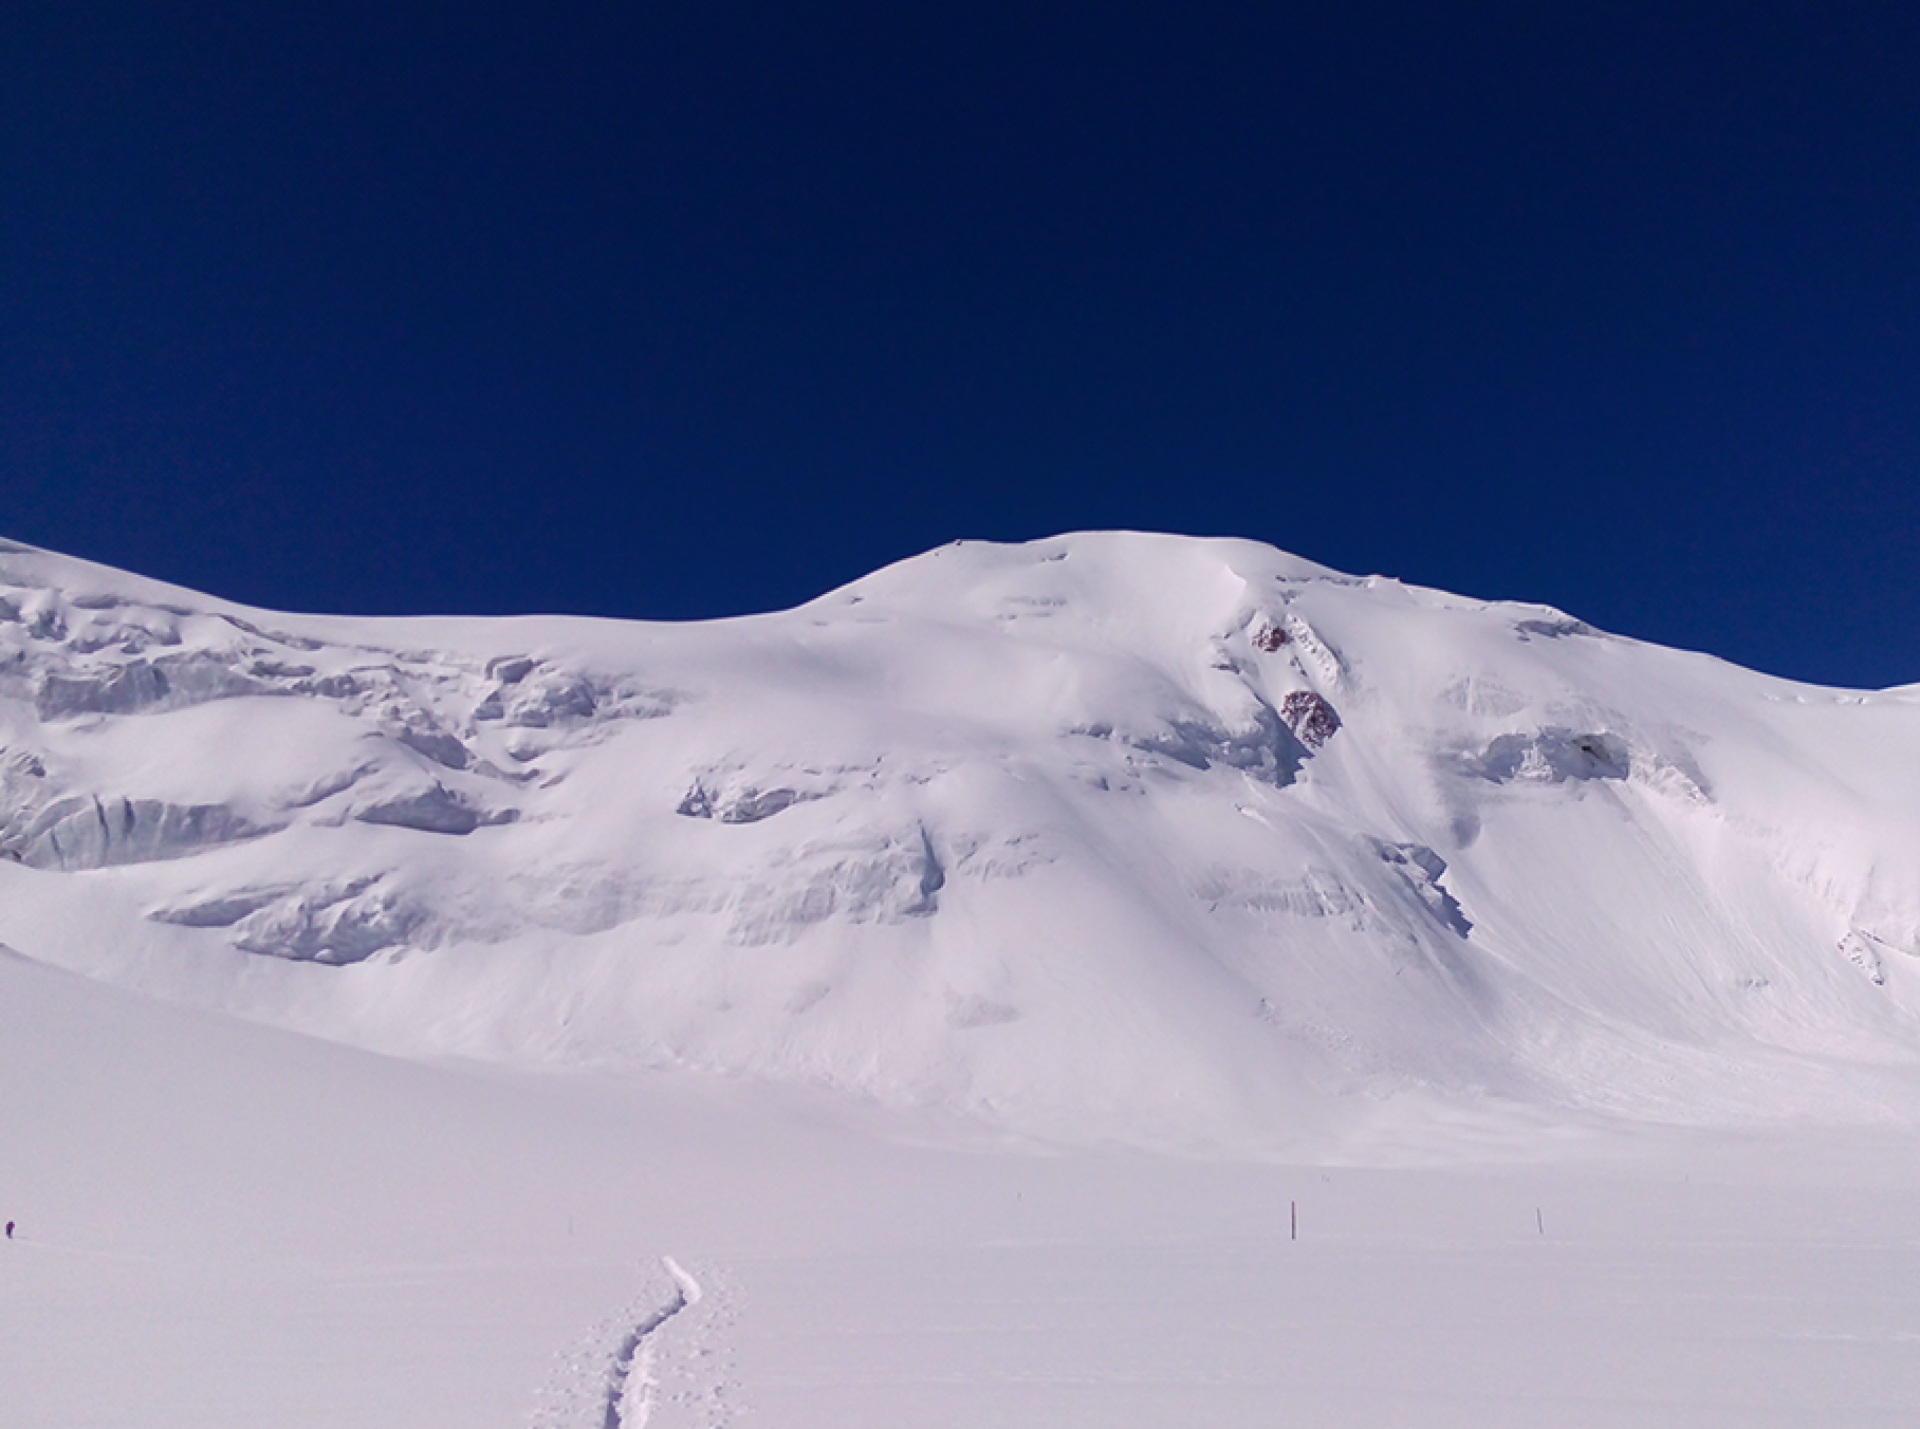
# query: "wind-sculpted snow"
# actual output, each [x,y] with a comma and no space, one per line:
[433,809]
[1108,836]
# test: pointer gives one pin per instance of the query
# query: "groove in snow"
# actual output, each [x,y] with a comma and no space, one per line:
[630,1381]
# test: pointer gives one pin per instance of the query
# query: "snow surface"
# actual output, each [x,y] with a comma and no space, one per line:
[1566,984]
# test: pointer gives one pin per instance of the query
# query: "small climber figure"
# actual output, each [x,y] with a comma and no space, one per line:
[9,1230]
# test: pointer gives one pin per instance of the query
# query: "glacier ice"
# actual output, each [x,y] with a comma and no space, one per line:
[1112,834]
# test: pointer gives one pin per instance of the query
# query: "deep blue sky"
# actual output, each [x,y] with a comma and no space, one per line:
[672,310]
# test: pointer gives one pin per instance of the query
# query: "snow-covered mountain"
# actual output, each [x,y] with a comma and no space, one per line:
[1110,836]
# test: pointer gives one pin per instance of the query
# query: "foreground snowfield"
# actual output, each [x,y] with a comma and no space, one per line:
[925,1007]
[231,1225]
[227,1224]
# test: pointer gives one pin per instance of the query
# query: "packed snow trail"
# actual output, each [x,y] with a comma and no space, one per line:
[630,1383]
[611,1379]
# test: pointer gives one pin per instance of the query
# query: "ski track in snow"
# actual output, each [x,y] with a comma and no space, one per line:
[616,1387]
[630,1384]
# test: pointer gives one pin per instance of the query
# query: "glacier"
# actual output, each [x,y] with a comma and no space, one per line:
[1113,979]
[1112,837]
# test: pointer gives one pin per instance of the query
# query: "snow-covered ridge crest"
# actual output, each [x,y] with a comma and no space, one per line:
[1111,834]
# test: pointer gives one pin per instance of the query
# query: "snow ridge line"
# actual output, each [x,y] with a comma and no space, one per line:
[630,1382]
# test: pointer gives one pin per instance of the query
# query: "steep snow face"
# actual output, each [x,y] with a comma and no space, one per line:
[1106,836]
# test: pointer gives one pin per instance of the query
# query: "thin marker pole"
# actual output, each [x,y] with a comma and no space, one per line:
[1293,1226]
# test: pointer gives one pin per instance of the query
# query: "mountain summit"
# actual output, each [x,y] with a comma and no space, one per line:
[1108,836]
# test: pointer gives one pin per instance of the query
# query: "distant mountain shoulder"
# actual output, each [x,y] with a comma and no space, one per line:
[1108,836]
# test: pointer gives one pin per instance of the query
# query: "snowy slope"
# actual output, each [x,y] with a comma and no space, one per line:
[1107,837]
[224,1226]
